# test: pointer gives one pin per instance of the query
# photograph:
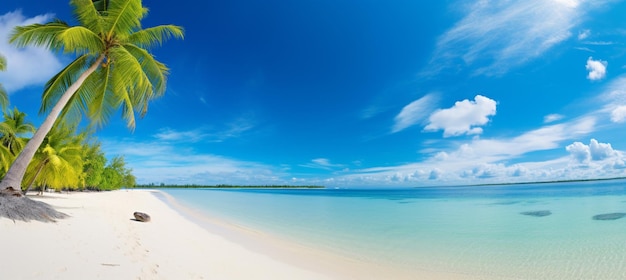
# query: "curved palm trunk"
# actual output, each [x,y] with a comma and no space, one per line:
[11,184]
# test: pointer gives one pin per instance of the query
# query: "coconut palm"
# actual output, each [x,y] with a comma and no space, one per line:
[58,162]
[113,69]
[12,131]
[4,98]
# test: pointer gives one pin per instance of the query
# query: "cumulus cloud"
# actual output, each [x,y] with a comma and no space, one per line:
[552,118]
[464,117]
[494,36]
[417,111]
[28,66]
[579,152]
[596,68]
[435,174]
[595,151]
[486,160]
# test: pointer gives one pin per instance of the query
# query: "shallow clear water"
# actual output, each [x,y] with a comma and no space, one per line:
[471,230]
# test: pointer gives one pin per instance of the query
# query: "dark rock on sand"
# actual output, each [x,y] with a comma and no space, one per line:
[141,217]
[609,216]
[541,213]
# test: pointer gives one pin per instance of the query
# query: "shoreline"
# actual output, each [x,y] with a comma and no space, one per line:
[101,240]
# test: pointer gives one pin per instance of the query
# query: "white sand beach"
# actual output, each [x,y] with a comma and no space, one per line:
[101,240]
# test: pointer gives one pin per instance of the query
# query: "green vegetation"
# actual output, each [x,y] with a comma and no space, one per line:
[154,186]
[70,161]
[113,70]
[551,182]
[4,97]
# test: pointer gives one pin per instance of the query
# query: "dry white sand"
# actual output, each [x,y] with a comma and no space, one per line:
[101,240]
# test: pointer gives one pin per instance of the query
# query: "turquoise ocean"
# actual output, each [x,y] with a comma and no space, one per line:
[529,231]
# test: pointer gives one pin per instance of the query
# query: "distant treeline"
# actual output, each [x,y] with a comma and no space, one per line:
[547,182]
[158,186]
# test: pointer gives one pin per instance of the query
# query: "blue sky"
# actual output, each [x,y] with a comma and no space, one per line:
[366,93]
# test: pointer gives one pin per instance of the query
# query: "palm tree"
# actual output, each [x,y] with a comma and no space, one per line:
[12,140]
[113,69]
[4,98]
[58,162]
[13,128]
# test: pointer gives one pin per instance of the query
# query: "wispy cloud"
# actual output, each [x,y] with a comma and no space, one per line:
[552,118]
[495,36]
[169,134]
[618,114]
[596,68]
[28,66]
[582,35]
[614,98]
[464,117]
[599,43]
[414,113]
[233,129]
[322,163]
[170,163]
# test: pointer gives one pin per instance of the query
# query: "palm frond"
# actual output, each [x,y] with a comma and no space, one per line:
[56,86]
[4,98]
[124,16]
[130,70]
[3,63]
[157,35]
[155,71]
[97,98]
[42,35]
[87,13]
[81,40]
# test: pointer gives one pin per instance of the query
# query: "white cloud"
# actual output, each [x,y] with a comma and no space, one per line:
[579,151]
[322,163]
[614,98]
[596,68]
[618,114]
[417,111]
[552,118]
[494,36]
[485,160]
[28,66]
[464,117]
[229,130]
[584,34]
[600,43]
[434,174]
[595,151]
[171,163]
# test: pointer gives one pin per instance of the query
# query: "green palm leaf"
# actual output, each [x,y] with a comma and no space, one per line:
[81,40]
[41,35]
[3,63]
[123,17]
[4,97]
[87,13]
[152,36]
